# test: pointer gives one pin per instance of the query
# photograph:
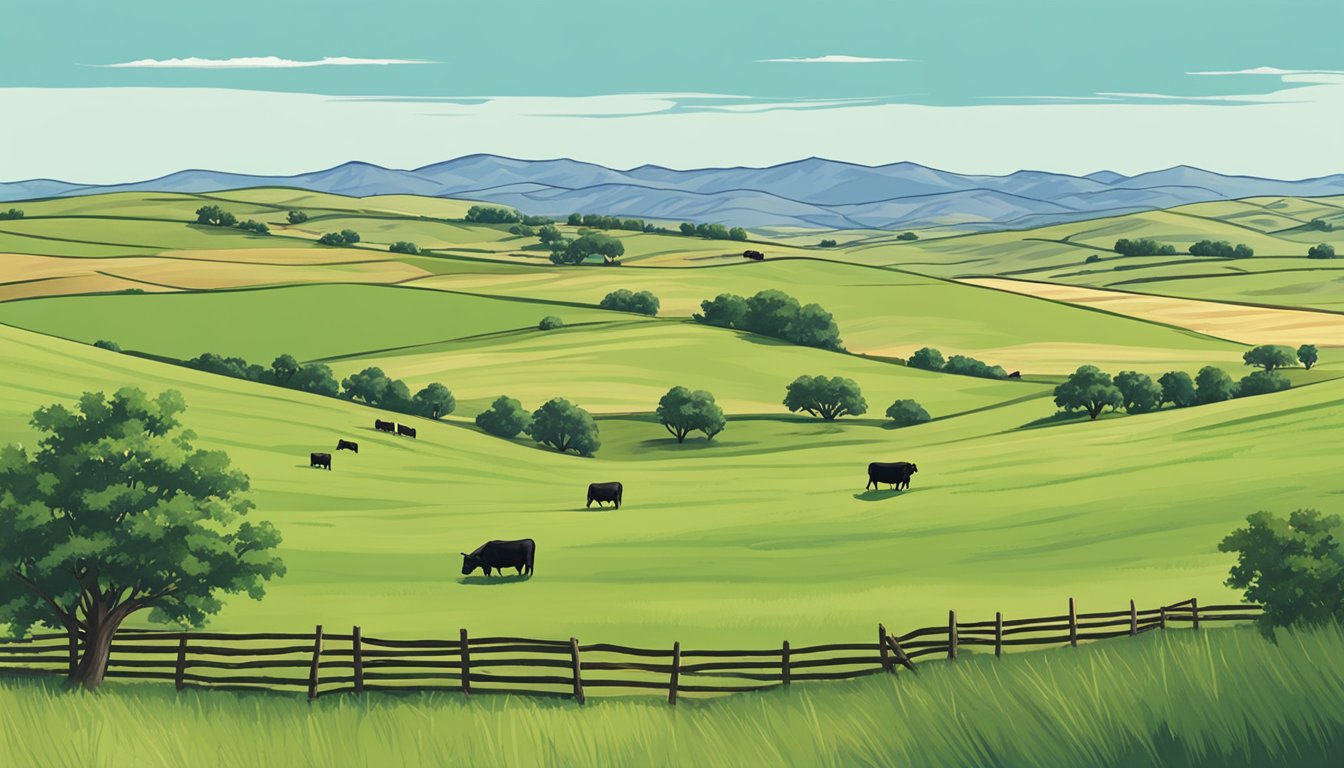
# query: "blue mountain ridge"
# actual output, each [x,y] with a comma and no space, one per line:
[813,192]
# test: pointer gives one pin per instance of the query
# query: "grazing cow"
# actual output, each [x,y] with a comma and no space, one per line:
[384,426]
[322,460]
[896,474]
[601,492]
[347,445]
[753,255]
[402,429]
[1015,375]
[498,555]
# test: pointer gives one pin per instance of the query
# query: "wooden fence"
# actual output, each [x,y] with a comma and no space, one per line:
[322,663]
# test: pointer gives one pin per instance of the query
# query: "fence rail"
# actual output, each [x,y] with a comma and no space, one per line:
[325,663]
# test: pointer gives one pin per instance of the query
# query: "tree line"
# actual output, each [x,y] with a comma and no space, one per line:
[1091,390]
[930,359]
[773,313]
[215,216]
[1215,248]
[493,214]
[712,231]
[12,213]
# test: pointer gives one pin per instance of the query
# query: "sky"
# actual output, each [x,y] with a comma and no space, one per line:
[99,91]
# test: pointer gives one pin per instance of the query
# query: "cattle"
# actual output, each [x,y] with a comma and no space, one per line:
[402,429]
[753,255]
[347,445]
[498,555]
[322,460]
[1015,375]
[896,474]
[384,426]
[601,492]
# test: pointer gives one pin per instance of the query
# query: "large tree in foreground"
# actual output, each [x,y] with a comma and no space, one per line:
[829,398]
[115,512]
[1293,567]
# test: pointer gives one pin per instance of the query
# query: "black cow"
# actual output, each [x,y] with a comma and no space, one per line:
[753,255]
[402,429]
[896,474]
[498,555]
[601,492]
[384,426]
[319,460]
[1015,375]
[347,445]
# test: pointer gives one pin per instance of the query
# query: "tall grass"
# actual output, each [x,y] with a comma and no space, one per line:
[1224,697]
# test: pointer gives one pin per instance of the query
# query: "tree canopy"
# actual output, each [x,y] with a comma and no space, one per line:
[1262,383]
[1270,356]
[776,314]
[1177,388]
[926,358]
[1322,251]
[434,401]
[505,418]
[1143,247]
[592,244]
[115,512]
[344,237]
[682,411]
[564,426]
[625,300]
[1222,249]
[214,216]
[296,217]
[830,398]
[373,387]
[1213,385]
[1138,392]
[1307,355]
[404,246]
[1292,567]
[491,214]
[907,413]
[1088,389]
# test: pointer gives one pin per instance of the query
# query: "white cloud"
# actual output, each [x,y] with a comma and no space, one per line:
[1269,71]
[831,59]
[255,62]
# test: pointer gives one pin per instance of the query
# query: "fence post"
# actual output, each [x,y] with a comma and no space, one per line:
[676,673]
[74,649]
[952,635]
[1162,617]
[882,645]
[901,656]
[180,673]
[313,671]
[1073,623]
[578,669]
[998,634]
[1133,620]
[357,649]
[784,672]
[466,662]
[1194,613]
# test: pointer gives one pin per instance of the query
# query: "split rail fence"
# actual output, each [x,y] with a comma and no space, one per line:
[324,663]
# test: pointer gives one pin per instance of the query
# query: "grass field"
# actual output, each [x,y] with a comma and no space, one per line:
[1223,699]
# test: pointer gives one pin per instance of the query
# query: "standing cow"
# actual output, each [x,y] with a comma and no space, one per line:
[347,445]
[603,492]
[405,431]
[895,474]
[322,460]
[384,426]
[498,555]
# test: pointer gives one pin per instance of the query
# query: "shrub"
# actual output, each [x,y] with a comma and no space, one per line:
[682,411]
[1090,390]
[316,378]
[623,300]
[1093,259]
[727,310]
[489,214]
[593,244]
[1138,392]
[769,313]
[257,227]
[522,230]
[1322,251]
[969,366]
[296,217]
[1320,225]
[550,323]
[829,398]
[827,243]
[12,213]
[1294,568]
[907,236]
[373,387]
[402,246]
[1143,247]
[737,233]
[1307,355]
[1213,385]
[344,237]
[505,418]
[564,427]
[813,327]
[1177,388]
[1221,248]
[1261,383]
[236,367]
[214,216]
[776,314]
[434,401]
[549,234]
[906,413]
[110,346]
[927,358]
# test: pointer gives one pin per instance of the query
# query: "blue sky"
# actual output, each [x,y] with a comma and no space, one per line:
[935,59]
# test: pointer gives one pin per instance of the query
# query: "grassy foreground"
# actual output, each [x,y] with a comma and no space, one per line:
[1223,697]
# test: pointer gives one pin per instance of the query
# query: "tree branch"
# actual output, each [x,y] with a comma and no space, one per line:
[66,618]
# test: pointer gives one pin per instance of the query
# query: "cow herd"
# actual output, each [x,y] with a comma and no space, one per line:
[323,460]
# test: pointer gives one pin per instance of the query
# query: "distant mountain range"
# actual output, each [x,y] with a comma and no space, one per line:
[808,193]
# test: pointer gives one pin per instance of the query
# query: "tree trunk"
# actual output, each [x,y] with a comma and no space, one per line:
[92,665]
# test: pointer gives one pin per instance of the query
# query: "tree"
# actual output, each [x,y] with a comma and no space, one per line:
[434,401]
[624,300]
[1213,385]
[829,398]
[110,346]
[489,214]
[283,369]
[1294,568]
[1093,259]
[1243,251]
[296,217]
[372,386]
[116,512]
[686,228]
[550,323]
[1138,392]
[349,236]
[257,227]
[769,313]
[1307,355]
[1270,356]
[575,219]
[1090,390]
[737,233]
[1261,383]
[522,230]
[1320,225]
[907,413]
[1322,251]
[344,237]
[403,246]
[12,213]
[606,246]
[907,236]
[505,418]
[564,426]
[316,378]
[1143,247]
[813,327]
[214,216]
[926,358]
[969,366]
[727,310]
[1177,388]
[682,411]
[549,234]
[827,244]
